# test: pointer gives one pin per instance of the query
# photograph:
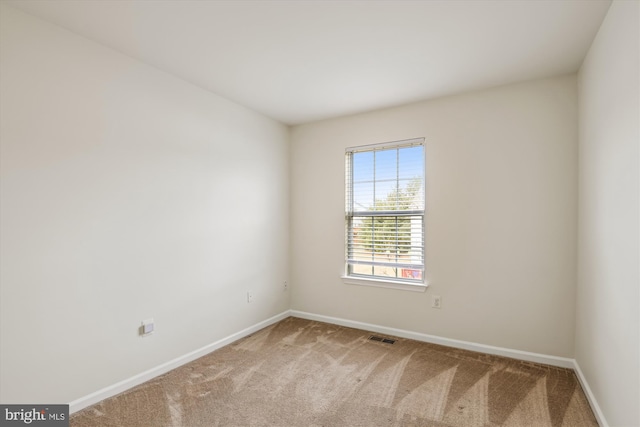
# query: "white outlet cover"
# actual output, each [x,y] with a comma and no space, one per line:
[148,326]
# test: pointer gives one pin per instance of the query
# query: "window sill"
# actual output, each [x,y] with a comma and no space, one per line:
[390,284]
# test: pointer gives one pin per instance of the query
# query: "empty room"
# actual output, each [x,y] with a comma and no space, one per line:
[320,213]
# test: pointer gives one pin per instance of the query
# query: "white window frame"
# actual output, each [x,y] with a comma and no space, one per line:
[381,281]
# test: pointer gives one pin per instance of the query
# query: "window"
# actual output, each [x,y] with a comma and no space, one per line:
[384,213]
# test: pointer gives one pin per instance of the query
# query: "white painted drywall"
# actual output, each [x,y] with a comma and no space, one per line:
[608,326]
[501,217]
[126,194]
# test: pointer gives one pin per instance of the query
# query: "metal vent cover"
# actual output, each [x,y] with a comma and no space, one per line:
[381,339]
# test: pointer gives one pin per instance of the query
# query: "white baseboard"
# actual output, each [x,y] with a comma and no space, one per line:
[124,385]
[466,345]
[121,386]
[590,397]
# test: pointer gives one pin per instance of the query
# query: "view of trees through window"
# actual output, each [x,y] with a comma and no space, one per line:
[390,234]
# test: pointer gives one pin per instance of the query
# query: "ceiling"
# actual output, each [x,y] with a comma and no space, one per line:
[301,61]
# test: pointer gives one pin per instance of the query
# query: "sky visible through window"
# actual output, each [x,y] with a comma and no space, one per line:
[376,174]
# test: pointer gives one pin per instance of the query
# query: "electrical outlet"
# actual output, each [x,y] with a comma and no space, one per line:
[147,327]
[249,297]
[437,301]
[285,286]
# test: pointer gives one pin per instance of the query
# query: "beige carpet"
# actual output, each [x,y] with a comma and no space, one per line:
[304,373]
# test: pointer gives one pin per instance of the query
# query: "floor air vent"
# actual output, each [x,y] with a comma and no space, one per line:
[380,339]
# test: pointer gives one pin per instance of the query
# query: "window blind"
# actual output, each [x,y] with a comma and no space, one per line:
[384,212]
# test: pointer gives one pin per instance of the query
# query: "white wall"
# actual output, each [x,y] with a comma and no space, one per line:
[501,217]
[607,332]
[126,194]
